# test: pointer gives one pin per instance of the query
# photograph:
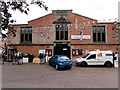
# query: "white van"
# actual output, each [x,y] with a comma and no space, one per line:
[96,58]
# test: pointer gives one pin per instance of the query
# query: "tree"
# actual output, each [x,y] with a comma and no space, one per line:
[6,23]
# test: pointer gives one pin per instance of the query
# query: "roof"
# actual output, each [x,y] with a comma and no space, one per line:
[62,18]
[63,10]
[106,22]
[40,17]
[85,17]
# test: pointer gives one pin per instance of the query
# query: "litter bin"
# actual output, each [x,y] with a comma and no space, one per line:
[31,58]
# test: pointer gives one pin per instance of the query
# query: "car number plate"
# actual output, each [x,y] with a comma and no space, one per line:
[65,62]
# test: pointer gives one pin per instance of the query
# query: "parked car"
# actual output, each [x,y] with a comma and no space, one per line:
[60,61]
[96,58]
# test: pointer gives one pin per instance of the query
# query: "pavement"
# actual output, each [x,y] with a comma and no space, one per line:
[44,76]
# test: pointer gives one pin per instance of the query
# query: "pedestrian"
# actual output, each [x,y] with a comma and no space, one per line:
[3,58]
[116,56]
[19,58]
[41,58]
[46,58]
[15,58]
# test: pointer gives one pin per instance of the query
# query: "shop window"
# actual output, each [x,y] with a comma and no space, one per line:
[99,34]
[76,52]
[26,34]
[61,32]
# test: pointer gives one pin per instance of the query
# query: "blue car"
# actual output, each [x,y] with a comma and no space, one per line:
[60,61]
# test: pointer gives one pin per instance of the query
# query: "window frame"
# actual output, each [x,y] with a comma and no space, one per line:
[26,34]
[61,31]
[99,33]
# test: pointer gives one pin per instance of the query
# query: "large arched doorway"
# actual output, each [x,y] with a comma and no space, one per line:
[62,49]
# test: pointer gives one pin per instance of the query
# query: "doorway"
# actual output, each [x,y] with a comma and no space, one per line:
[62,49]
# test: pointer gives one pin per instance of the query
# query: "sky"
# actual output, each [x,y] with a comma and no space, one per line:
[101,10]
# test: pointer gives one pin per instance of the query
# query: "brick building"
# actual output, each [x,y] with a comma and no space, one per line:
[64,32]
[3,43]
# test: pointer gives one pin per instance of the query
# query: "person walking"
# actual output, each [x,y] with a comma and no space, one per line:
[116,56]
[116,60]
[15,58]
[41,58]
[2,58]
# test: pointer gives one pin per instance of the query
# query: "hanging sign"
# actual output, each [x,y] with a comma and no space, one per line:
[80,36]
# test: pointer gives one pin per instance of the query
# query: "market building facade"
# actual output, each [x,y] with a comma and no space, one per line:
[63,32]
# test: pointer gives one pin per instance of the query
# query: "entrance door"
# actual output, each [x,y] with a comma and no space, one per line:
[62,49]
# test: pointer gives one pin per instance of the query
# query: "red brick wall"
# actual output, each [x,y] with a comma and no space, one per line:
[49,34]
[34,50]
[113,48]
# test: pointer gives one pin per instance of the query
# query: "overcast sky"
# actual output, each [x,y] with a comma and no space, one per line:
[102,10]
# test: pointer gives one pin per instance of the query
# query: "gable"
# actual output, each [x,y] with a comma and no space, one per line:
[41,20]
[55,18]
[84,17]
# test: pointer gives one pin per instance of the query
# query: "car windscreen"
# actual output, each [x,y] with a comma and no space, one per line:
[85,55]
[64,58]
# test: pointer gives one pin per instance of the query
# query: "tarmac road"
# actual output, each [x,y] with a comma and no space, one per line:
[44,76]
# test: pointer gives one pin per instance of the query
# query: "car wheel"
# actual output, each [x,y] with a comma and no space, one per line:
[83,64]
[108,64]
[56,67]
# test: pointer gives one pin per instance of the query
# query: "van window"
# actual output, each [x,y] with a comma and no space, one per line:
[92,56]
[109,54]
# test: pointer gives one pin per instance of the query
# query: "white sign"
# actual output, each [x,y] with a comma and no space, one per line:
[25,60]
[42,51]
[86,37]
[80,37]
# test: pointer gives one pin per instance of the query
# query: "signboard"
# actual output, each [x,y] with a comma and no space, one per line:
[25,60]
[80,37]
[99,54]
[42,51]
